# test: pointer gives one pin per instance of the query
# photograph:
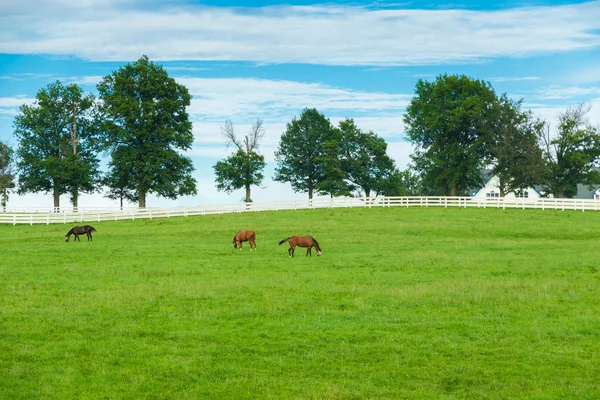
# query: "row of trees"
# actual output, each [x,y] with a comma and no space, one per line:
[139,120]
[457,125]
[460,126]
[314,157]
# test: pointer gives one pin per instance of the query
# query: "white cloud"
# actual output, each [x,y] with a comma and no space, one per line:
[10,105]
[327,34]
[551,113]
[515,79]
[249,98]
[558,92]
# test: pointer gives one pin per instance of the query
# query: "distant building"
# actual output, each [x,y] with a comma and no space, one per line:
[491,191]
[584,193]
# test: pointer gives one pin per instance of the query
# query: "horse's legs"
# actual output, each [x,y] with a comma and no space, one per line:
[77,237]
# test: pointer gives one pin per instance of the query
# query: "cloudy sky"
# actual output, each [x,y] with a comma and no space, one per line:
[260,59]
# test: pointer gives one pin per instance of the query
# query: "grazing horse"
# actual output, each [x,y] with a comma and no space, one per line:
[303,241]
[78,230]
[244,236]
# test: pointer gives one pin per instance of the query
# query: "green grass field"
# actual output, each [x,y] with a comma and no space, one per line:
[414,303]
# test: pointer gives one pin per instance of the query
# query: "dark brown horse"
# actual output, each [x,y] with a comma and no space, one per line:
[303,241]
[244,236]
[78,230]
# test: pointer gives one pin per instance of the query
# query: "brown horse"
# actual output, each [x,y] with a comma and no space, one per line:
[244,236]
[78,230]
[303,241]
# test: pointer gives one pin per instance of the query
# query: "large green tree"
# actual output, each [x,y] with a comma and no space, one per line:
[515,152]
[364,159]
[300,155]
[243,168]
[333,182]
[402,183]
[145,124]
[7,177]
[572,153]
[118,182]
[449,121]
[56,143]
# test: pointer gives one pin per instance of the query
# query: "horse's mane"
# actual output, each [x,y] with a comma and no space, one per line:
[70,232]
[316,244]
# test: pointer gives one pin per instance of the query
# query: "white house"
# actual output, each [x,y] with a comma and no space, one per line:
[491,191]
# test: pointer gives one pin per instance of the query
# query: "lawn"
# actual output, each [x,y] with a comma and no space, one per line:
[419,303]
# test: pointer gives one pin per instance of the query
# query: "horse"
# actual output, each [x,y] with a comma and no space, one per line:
[78,230]
[303,241]
[244,236]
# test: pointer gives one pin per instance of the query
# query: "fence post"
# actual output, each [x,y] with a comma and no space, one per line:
[14,220]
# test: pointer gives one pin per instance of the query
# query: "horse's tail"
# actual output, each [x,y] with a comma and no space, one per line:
[284,240]
[316,244]
[92,229]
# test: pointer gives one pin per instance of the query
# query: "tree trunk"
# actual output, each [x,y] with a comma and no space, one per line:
[141,199]
[453,190]
[310,192]
[56,198]
[248,199]
[75,200]
[121,202]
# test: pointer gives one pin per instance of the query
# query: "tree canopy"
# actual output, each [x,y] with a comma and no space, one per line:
[364,159]
[145,124]
[300,155]
[243,168]
[7,176]
[571,155]
[449,121]
[515,153]
[56,151]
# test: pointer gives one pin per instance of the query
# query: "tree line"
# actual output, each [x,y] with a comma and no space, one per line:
[457,125]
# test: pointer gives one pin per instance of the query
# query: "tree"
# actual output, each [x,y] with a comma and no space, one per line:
[572,154]
[56,150]
[449,121]
[145,123]
[7,178]
[333,181]
[242,169]
[364,159]
[514,147]
[300,155]
[401,183]
[118,182]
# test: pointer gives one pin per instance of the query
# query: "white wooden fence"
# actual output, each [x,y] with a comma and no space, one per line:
[68,215]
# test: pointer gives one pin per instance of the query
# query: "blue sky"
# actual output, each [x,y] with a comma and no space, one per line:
[251,59]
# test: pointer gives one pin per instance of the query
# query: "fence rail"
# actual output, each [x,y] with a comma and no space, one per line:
[67,215]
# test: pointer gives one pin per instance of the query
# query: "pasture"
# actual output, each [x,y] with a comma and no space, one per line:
[419,303]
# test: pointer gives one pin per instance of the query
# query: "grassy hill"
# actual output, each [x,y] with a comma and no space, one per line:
[405,303]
